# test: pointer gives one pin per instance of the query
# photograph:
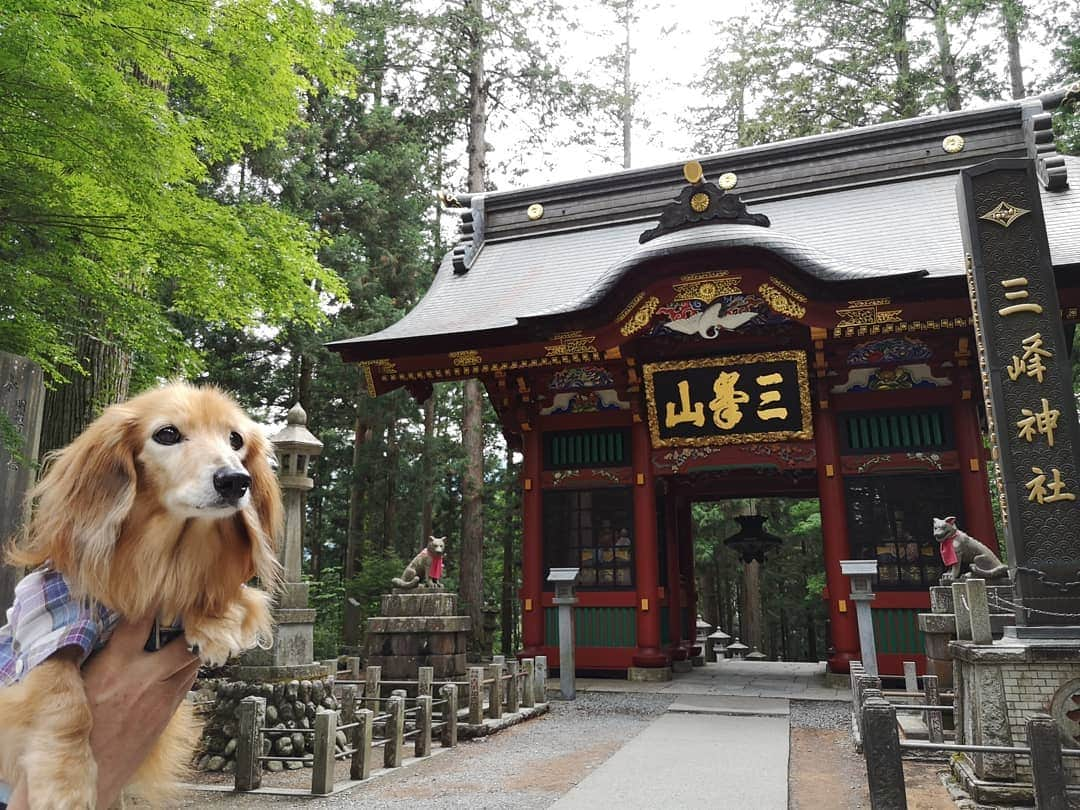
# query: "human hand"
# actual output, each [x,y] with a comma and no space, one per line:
[132,696]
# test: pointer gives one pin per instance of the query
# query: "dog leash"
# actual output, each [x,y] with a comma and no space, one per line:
[160,635]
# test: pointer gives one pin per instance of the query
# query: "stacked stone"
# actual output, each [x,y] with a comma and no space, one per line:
[290,707]
[418,629]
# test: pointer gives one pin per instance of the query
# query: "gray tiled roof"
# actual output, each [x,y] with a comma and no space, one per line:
[883,229]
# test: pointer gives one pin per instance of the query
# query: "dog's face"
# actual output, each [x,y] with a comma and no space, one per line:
[436,546]
[944,528]
[194,452]
[173,480]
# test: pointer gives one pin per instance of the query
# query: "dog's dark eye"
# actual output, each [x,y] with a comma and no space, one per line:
[236,440]
[167,435]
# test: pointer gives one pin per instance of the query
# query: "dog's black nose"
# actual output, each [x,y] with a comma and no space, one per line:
[231,484]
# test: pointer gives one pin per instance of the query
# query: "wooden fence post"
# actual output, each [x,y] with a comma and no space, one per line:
[249,743]
[322,775]
[494,672]
[361,758]
[513,693]
[372,676]
[881,747]
[1047,770]
[935,728]
[476,696]
[528,684]
[354,667]
[422,741]
[450,710]
[425,679]
[541,679]
[395,731]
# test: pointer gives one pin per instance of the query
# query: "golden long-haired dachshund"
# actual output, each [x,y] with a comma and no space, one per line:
[166,505]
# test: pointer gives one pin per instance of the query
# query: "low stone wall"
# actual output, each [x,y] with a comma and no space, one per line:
[290,705]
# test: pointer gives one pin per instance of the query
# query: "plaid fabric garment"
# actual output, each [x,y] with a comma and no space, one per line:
[46,618]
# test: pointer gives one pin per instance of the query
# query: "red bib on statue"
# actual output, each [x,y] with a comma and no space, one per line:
[948,552]
[436,566]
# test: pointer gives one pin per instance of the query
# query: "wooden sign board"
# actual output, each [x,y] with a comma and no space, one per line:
[22,398]
[1027,381]
[737,399]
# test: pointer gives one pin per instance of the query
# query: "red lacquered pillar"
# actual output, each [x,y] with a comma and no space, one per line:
[978,518]
[676,647]
[689,572]
[646,561]
[834,532]
[532,547]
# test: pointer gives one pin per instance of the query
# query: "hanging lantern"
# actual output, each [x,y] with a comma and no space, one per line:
[752,542]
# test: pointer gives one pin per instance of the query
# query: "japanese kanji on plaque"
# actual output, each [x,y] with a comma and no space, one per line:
[1027,382]
[729,400]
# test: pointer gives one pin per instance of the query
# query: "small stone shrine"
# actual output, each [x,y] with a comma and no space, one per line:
[418,629]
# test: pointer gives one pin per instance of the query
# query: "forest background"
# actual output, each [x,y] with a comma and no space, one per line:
[215,190]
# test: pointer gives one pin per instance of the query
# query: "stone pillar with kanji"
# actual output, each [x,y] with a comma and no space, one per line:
[1027,380]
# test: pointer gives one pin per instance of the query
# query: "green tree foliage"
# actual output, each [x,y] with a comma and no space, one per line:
[791,581]
[110,117]
[812,66]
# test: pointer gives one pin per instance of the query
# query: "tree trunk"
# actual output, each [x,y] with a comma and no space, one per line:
[427,472]
[389,532]
[906,103]
[751,612]
[70,407]
[303,382]
[946,60]
[472,438]
[626,111]
[355,539]
[1012,14]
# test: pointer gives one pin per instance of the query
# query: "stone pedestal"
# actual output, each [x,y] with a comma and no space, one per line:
[420,629]
[939,627]
[998,687]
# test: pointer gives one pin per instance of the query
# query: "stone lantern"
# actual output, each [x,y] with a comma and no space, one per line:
[861,573]
[565,581]
[295,447]
[292,653]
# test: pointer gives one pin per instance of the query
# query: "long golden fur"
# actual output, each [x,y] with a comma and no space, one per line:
[132,524]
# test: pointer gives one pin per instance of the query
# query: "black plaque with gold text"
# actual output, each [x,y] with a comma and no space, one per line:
[1027,382]
[738,399]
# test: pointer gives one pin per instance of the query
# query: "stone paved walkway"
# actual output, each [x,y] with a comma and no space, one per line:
[745,759]
[763,679]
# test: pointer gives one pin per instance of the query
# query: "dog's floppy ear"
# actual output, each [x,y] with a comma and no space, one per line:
[82,501]
[263,518]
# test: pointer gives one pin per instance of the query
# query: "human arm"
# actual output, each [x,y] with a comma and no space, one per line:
[132,695]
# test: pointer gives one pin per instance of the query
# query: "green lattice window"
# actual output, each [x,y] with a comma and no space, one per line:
[896,431]
[586,448]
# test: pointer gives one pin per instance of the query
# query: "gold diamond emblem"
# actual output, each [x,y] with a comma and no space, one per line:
[699,202]
[1004,214]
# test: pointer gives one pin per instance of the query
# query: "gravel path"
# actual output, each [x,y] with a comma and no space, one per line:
[526,766]
[819,714]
